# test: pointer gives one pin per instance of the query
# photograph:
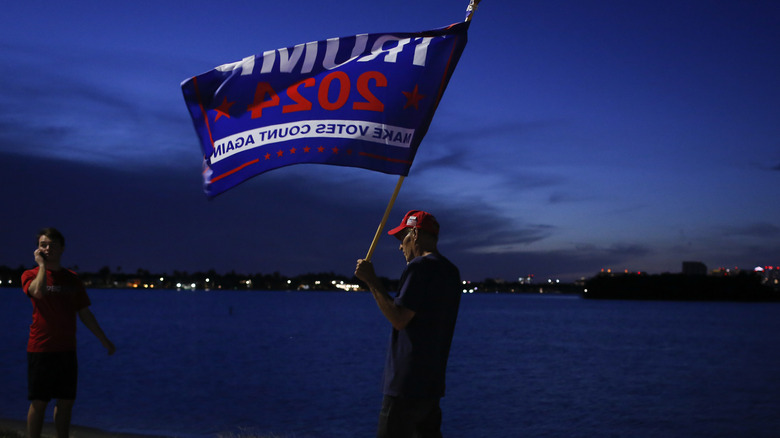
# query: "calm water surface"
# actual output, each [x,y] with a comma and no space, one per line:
[196,364]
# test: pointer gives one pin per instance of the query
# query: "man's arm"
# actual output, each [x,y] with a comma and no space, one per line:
[37,287]
[88,318]
[398,316]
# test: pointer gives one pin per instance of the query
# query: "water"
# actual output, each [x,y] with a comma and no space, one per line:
[197,364]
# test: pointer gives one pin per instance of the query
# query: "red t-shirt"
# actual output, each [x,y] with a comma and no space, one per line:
[53,326]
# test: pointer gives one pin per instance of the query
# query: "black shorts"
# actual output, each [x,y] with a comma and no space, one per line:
[52,375]
[405,417]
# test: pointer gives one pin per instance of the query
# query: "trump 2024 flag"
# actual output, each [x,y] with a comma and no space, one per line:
[361,101]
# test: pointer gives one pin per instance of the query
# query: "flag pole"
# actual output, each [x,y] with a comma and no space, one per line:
[384,218]
[472,7]
[473,4]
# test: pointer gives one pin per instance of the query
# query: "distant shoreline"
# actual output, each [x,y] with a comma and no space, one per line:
[324,281]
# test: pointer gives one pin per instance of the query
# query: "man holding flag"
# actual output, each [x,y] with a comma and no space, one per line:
[423,316]
[361,101]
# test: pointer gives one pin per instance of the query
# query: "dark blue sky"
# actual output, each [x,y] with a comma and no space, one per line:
[574,136]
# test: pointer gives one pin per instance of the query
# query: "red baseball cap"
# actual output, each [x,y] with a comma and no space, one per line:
[416,219]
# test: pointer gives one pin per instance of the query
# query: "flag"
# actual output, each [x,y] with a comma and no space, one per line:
[361,101]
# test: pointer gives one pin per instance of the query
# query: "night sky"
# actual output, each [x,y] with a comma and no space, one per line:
[573,136]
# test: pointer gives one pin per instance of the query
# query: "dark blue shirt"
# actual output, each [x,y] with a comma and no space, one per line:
[417,355]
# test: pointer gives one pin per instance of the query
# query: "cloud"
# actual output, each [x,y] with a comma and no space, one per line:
[511,240]
[284,221]
[565,197]
[305,218]
[453,158]
[757,229]
[479,129]
[98,107]
[478,145]
[626,251]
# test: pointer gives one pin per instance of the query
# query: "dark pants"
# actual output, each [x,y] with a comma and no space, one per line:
[408,417]
[52,375]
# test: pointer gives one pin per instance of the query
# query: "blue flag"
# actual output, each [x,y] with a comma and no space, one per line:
[361,101]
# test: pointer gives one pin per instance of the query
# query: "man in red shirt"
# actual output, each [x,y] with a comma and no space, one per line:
[57,296]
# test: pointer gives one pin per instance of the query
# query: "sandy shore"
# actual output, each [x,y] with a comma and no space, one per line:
[75,431]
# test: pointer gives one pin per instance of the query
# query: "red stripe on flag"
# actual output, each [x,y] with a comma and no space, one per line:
[230,172]
[443,83]
[202,110]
